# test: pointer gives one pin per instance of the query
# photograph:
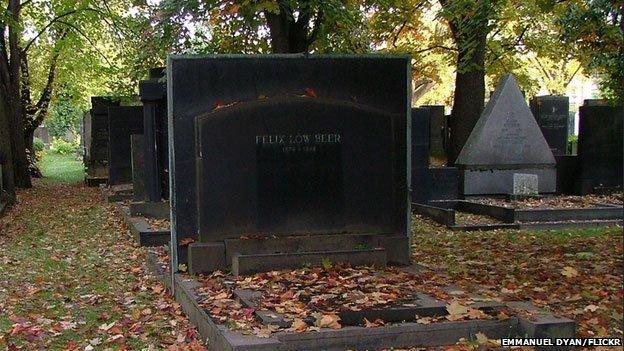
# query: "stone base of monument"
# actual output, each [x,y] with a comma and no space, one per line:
[500,181]
[250,255]
[159,210]
[116,193]
[508,216]
[399,330]
[96,175]
[94,181]
[141,230]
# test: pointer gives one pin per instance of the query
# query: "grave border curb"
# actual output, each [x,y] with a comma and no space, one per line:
[219,338]
[141,232]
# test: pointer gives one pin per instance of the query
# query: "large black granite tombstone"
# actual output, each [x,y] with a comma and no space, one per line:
[506,140]
[444,183]
[551,113]
[123,121]
[96,145]
[271,161]
[420,191]
[153,92]
[438,129]
[600,148]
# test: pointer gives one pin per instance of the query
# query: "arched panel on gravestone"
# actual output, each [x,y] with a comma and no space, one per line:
[291,166]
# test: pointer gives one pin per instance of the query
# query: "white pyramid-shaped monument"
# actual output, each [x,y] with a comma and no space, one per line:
[505,140]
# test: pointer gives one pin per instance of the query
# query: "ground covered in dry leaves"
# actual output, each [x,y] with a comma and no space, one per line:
[72,279]
[573,273]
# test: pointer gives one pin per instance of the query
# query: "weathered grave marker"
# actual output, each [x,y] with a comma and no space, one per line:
[505,140]
[600,147]
[154,98]
[309,149]
[137,144]
[551,113]
[123,121]
[438,129]
[96,139]
[420,191]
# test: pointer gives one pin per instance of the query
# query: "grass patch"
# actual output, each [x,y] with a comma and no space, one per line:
[58,168]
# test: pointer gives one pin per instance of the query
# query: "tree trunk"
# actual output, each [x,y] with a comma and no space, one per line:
[16,117]
[290,36]
[6,153]
[469,93]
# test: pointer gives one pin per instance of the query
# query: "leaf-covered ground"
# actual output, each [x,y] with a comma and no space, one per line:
[573,273]
[72,279]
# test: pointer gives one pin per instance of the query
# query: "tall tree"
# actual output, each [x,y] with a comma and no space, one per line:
[596,29]
[470,22]
[39,30]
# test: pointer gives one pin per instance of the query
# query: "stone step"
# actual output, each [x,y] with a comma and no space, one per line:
[396,246]
[254,263]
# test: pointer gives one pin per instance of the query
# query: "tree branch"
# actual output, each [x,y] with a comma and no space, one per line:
[83,34]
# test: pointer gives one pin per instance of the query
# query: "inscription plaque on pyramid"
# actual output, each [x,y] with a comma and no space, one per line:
[506,140]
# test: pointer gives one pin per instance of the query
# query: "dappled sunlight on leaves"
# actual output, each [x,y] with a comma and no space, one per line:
[72,279]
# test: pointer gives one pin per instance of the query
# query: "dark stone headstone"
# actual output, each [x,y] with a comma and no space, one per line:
[444,183]
[600,148]
[345,169]
[420,155]
[551,113]
[153,92]
[123,121]
[438,130]
[137,144]
[506,140]
[567,172]
[96,135]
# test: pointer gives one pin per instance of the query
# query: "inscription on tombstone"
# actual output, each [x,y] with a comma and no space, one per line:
[298,175]
[551,113]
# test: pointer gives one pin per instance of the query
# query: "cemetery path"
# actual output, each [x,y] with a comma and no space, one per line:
[71,278]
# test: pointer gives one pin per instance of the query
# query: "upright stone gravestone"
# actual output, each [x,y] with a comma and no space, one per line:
[153,92]
[551,113]
[600,148]
[311,150]
[506,140]
[137,144]
[444,183]
[97,133]
[123,122]
[437,132]
[420,191]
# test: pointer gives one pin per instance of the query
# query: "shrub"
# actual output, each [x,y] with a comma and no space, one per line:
[63,147]
[38,145]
